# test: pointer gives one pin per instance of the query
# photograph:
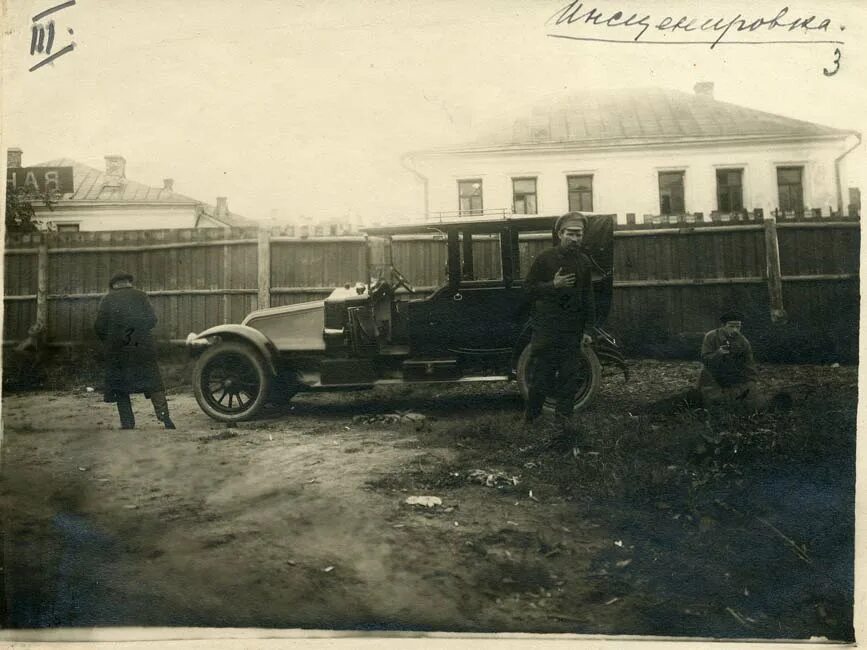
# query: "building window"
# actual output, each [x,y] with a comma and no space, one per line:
[791,188]
[524,196]
[470,197]
[730,190]
[671,193]
[67,227]
[580,193]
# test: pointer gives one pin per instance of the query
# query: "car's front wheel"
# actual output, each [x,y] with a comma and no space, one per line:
[590,376]
[231,381]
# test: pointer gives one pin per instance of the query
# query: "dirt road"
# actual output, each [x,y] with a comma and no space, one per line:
[300,520]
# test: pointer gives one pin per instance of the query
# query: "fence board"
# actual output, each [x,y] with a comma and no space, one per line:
[17,318]
[81,263]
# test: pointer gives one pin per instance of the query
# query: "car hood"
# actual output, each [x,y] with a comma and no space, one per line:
[295,327]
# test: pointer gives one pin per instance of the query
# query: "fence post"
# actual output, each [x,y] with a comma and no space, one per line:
[775,276]
[42,285]
[227,280]
[264,264]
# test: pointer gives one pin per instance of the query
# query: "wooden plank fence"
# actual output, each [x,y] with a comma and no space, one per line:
[669,279]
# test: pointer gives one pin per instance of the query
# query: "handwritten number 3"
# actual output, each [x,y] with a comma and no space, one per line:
[836,63]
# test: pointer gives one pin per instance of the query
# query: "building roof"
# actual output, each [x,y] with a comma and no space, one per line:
[642,116]
[92,184]
[228,218]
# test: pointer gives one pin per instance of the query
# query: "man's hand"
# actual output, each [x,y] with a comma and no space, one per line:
[586,339]
[563,279]
[725,348]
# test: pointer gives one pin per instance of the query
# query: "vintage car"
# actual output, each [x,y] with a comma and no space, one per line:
[472,328]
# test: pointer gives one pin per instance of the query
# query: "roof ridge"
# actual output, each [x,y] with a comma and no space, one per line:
[648,112]
[94,180]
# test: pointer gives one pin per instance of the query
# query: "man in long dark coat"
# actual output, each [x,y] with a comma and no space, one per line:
[563,313]
[124,325]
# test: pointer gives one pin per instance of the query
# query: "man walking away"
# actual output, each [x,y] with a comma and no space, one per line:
[124,325]
[563,312]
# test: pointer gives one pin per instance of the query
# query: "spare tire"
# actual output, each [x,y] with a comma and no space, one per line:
[590,378]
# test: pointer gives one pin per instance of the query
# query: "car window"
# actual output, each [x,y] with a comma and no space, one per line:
[421,258]
[424,259]
[487,262]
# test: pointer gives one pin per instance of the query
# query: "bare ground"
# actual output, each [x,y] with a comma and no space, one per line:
[668,524]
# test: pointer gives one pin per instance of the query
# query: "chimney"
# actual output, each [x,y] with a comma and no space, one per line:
[115,170]
[704,89]
[13,157]
[169,184]
[222,209]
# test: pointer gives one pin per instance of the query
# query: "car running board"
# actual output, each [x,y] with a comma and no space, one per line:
[389,382]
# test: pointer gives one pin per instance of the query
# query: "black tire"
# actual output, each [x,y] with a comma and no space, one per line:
[231,381]
[591,378]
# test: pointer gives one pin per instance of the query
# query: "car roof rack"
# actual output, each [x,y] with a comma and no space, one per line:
[474,224]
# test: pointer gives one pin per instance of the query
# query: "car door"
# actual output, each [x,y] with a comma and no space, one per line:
[473,318]
[481,313]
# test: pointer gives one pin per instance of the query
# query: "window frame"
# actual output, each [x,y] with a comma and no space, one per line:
[680,172]
[719,188]
[801,198]
[581,194]
[534,194]
[471,212]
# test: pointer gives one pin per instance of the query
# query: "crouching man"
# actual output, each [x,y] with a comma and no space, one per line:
[728,375]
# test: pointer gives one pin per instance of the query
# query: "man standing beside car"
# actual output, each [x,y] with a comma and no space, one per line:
[560,289]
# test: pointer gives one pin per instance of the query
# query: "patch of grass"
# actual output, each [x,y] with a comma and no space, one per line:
[661,456]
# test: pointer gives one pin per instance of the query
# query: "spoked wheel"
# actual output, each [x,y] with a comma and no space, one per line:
[231,382]
[590,376]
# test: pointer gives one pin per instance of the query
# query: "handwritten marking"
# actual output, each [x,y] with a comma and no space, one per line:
[56,55]
[48,12]
[37,39]
[633,42]
[836,63]
[575,12]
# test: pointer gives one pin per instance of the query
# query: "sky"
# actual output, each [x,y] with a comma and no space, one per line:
[306,107]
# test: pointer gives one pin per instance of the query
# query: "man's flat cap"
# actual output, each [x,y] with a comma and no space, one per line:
[121,276]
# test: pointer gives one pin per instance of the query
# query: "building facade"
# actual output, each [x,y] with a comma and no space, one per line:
[642,153]
[107,200]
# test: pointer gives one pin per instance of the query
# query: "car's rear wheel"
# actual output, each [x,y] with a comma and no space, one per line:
[590,377]
[231,381]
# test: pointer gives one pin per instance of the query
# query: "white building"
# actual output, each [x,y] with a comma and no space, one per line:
[108,200]
[640,152]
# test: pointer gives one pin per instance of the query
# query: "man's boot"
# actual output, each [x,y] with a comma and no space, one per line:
[564,432]
[161,408]
[534,404]
[124,410]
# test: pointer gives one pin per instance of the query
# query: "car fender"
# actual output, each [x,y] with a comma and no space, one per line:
[242,333]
